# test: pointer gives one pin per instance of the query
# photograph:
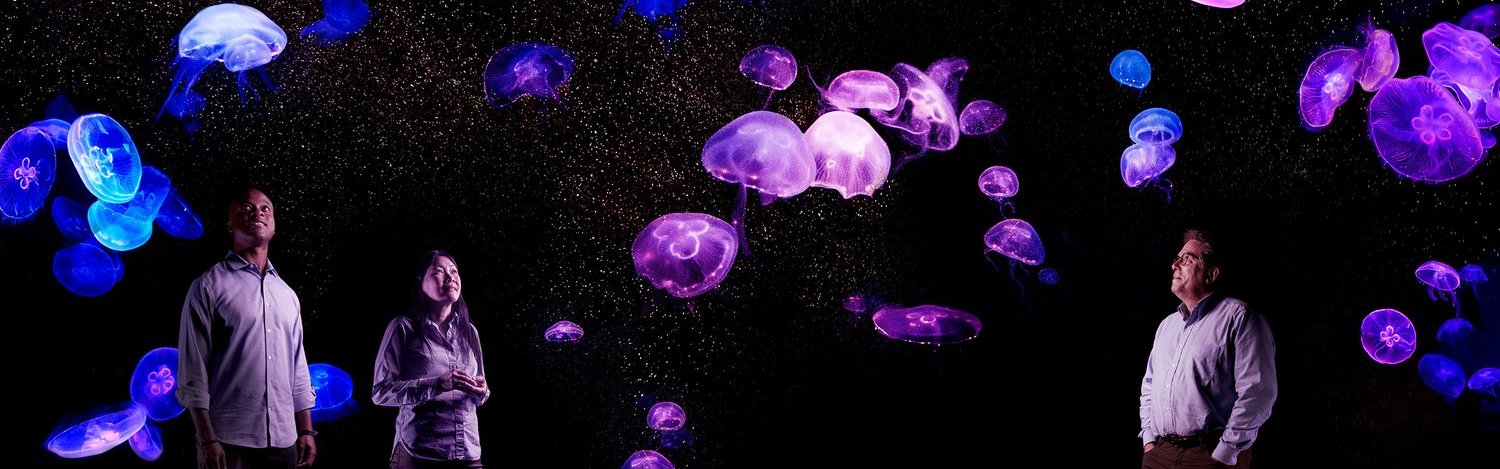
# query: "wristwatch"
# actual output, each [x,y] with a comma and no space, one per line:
[307,433]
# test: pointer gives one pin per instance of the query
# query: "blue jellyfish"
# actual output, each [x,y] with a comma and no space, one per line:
[1156,126]
[862,89]
[527,68]
[1441,280]
[1380,61]
[981,117]
[177,218]
[1016,239]
[563,331]
[1442,374]
[666,417]
[1422,133]
[849,156]
[1131,68]
[28,164]
[685,254]
[86,269]
[98,434]
[760,150]
[662,13]
[770,66]
[241,37]
[127,226]
[647,459]
[1468,57]
[1388,336]
[59,108]
[146,442]
[1472,274]
[1049,276]
[153,385]
[1455,334]
[999,183]
[56,130]
[341,19]
[926,324]
[71,219]
[106,158]
[1142,163]
[333,387]
[1327,84]
[1484,19]
[1486,381]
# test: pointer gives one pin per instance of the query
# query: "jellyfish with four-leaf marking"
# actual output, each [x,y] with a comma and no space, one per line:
[1442,374]
[1468,57]
[862,89]
[1141,164]
[334,389]
[848,155]
[1422,133]
[1327,84]
[146,442]
[760,150]
[563,331]
[28,165]
[1486,381]
[153,385]
[86,269]
[127,226]
[1131,68]
[770,66]
[647,459]
[177,218]
[1388,336]
[97,434]
[666,416]
[106,158]
[685,254]
[926,324]
[999,183]
[341,19]
[71,219]
[925,116]
[1481,104]
[1380,61]
[1156,126]
[981,117]
[1484,19]
[1441,280]
[527,68]
[239,36]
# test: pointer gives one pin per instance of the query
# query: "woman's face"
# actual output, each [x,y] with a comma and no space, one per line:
[441,283]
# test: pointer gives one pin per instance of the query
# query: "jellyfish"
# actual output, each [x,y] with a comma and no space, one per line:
[1486,381]
[1455,333]
[1016,239]
[241,37]
[28,164]
[1442,374]
[177,218]
[1472,274]
[98,434]
[848,155]
[1380,61]
[71,219]
[56,131]
[146,442]
[662,13]
[1142,163]
[647,459]
[948,73]
[981,117]
[1220,3]
[862,89]
[665,417]
[527,68]
[1422,133]
[333,388]
[1388,336]
[127,226]
[769,66]
[926,324]
[685,254]
[999,183]
[1328,83]
[764,151]
[1048,276]
[925,116]
[341,19]
[153,385]
[1441,280]
[1131,68]
[1468,57]
[1485,19]
[856,303]
[563,331]
[86,269]
[1156,126]
[106,158]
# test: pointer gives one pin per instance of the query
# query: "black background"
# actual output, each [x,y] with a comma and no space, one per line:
[382,148]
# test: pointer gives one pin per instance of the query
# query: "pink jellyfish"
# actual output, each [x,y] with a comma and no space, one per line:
[926,324]
[862,89]
[1328,83]
[764,151]
[770,66]
[1220,3]
[948,74]
[848,155]
[1484,19]
[981,117]
[1441,280]
[1468,57]
[665,416]
[1388,336]
[684,253]
[1421,132]
[925,116]
[999,183]
[1017,240]
[1380,61]
[1142,163]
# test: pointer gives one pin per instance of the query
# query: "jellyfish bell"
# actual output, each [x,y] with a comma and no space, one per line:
[1143,163]
[98,434]
[1455,332]
[1388,336]
[28,165]
[647,459]
[334,390]
[563,331]
[1220,3]
[527,68]
[999,183]
[240,37]
[1484,19]
[1380,61]
[153,385]
[1016,239]
[127,226]
[926,324]
[1469,57]
[1473,273]
[685,254]
[925,116]
[71,219]
[341,19]
[862,89]
[177,218]
[1438,275]
[665,417]
[86,269]
[106,158]
[147,442]
[770,66]
[981,117]
[848,155]
[1329,82]
[1131,68]
[1486,381]
[1156,126]
[56,131]
[1442,375]
[1422,133]
[1049,276]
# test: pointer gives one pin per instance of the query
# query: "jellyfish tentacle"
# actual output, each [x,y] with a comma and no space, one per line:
[1165,185]
[737,218]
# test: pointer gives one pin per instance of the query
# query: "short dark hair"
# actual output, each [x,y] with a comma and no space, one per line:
[1203,236]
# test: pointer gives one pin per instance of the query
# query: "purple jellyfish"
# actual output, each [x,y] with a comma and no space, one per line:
[1442,374]
[241,37]
[999,183]
[1472,274]
[1484,19]
[1481,104]
[153,385]
[1156,126]
[925,115]
[981,117]
[647,459]
[948,73]
[857,303]
[527,68]
[1469,57]
[770,66]
[1441,280]
[1017,240]
[1143,163]
[98,434]
[1486,381]
[1381,59]
[1220,3]
[28,164]
[848,155]
[665,417]
[1328,83]
[1422,133]
[563,331]
[926,324]
[685,253]
[862,89]
[146,442]
[764,151]
[661,13]
[1388,336]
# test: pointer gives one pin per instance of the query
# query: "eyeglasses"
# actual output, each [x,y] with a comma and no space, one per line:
[1185,259]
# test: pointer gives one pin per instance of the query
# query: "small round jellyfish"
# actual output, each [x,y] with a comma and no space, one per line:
[1486,381]
[647,459]
[1156,126]
[770,66]
[1327,84]
[333,387]
[528,68]
[1472,274]
[981,117]
[1131,68]
[862,89]
[999,183]
[71,219]
[1143,163]
[1484,19]
[563,331]
[1422,133]
[127,226]
[1468,57]
[685,254]
[1388,336]
[857,304]
[1441,279]
[98,434]
[665,417]
[848,155]
[106,158]
[147,442]
[241,37]
[153,385]
[1381,59]
[341,19]
[28,164]
[85,269]
[1048,276]
[177,218]
[926,324]
[1442,374]
[1220,3]
[1016,239]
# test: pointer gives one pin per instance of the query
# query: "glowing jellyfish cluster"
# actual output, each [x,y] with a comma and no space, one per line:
[528,68]
[666,417]
[1131,68]
[1442,374]
[341,19]
[153,385]
[240,37]
[334,389]
[1388,336]
[647,459]
[28,165]
[685,254]
[1154,131]
[97,434]
[926,324]
[770,66]
[847,154]
[563,331]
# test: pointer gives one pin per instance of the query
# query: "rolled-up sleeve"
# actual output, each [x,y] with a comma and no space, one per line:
[304,396]
[193,345]
[389,389]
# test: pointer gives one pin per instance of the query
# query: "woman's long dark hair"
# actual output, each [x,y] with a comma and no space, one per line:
[420,304]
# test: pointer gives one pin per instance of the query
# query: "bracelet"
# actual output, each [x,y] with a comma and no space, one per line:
[202,443]
[307,433]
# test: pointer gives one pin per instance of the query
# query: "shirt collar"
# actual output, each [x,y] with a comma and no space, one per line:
[1203,307]
[235,262]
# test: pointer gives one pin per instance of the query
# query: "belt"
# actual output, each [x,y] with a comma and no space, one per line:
[1189,441]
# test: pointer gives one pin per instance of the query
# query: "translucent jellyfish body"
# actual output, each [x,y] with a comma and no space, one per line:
[770,66]
[28,165]
[862,89]
[127,225]
[925,116]
[1421,132]
[98,434]
[647,459]
[981,117]
[147,442]
[1381,59]
[1486,381]
[761,150]
[72,219]
[926,324]
[177,218]
[563,331]
[334,388]
[1131,68]
[1442,375]
[1142,163]
[106,158]
[153,385]
[86,269]
[1156,126]
[1388,336]
[999,183]
[1468,57]
[341,19]
[1327,84]
[528,68]
[685,254]
[1016,239]
[848,155]
[240,37]
[666,417]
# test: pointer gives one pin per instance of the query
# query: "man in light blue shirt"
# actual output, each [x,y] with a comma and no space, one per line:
[1211,378]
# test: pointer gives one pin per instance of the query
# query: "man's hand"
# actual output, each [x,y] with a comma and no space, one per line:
[211,456]
[307,450]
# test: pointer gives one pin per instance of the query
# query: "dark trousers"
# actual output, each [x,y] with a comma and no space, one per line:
[241,457]
[1169,456]
[401,458]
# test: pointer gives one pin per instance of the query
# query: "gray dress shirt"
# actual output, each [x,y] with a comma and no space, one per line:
[432,424]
